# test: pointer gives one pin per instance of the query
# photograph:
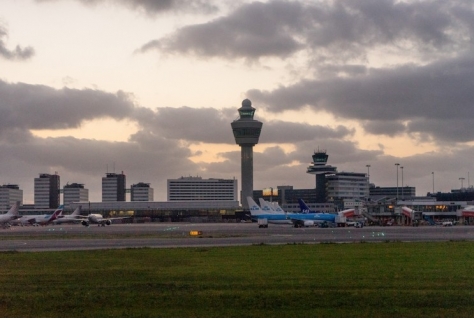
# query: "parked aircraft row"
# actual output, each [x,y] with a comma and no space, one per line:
[12,217]
[12,214]
[273,213]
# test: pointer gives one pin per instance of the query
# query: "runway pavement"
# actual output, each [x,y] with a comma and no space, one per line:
[163,235]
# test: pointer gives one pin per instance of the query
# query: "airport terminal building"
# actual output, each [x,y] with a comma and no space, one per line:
[171,211]
[199,189]
[9,195]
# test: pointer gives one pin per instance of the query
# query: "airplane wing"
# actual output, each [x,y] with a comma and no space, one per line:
[31,220]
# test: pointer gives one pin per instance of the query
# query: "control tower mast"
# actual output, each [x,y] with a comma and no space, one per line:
[320,169]
[246,133]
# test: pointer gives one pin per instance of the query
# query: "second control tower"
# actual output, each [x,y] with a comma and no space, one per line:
[320,169]
[246,133]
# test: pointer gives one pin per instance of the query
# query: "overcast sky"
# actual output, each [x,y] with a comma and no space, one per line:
[150,88]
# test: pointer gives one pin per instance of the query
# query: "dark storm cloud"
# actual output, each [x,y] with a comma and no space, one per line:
[252,31]
[384,127]
[192,124]
[86,161]
[157,151]
[153,7]
[288,132]
[209,125]
[440,92]
[334,30]
[42,107]
[354,26]
[18,53]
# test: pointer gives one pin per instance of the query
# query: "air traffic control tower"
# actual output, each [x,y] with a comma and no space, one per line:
[320,169]
[246,132]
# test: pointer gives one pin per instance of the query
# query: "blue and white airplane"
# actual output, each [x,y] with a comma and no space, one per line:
[297,219]
[270,207]
[305,210]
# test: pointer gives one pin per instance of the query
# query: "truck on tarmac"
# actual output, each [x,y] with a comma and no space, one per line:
[340,221]
[262,223]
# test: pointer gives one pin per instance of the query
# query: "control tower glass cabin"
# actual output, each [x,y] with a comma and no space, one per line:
[320,169]
[246,133]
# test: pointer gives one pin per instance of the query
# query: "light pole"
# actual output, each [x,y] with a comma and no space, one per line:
[368,181]
[397,164]
[432,173]
[462,180]
[401,167]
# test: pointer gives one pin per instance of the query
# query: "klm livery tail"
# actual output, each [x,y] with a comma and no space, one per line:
[265,206]
[278,209]
[254,208]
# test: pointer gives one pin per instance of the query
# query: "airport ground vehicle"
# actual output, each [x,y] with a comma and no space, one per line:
[340,221]
[262,223]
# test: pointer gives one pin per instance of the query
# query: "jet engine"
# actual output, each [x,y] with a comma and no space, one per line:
[108,222]
[85,223]
[308,223]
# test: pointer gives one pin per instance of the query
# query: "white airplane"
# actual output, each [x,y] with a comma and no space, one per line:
[73,218]
[9,216]
[270,215]
[37,220]
[99,220]
[269,207]
[277,207]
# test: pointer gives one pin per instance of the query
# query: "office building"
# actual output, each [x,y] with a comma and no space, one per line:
[246,133]
[346,186]
[9,195]
[47,191]
[405,192]
[113,187]
[198,189]
[141,192]
[73,193]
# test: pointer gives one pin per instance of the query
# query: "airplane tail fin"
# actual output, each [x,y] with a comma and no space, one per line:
[13,211]
[57,213]
[303,207]
[278,209]
[253,207]
[77,211]
[265,205]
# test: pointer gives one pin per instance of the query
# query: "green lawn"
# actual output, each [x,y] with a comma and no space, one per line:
[326,280]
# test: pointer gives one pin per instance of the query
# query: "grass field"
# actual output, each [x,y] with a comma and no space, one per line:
[327,280]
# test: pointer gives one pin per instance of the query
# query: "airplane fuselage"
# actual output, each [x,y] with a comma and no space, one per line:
[281,218]
[96,219]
